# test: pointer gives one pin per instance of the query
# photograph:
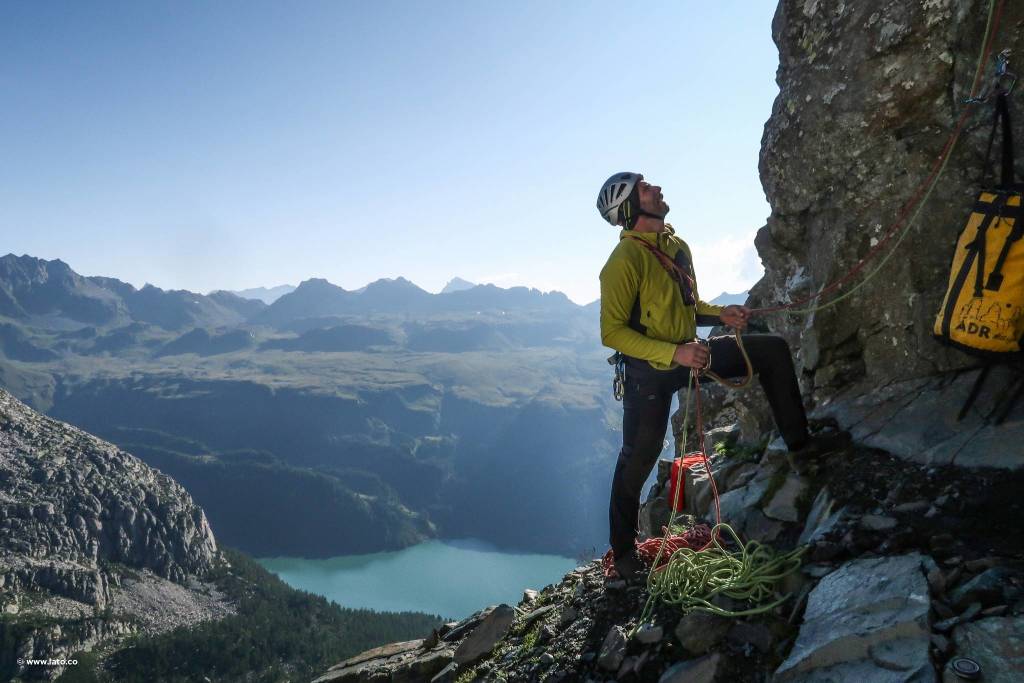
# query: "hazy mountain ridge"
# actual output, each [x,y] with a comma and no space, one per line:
[49,295]
[727,299]
[267,295]
[54,312]
[317,297]
[378,404]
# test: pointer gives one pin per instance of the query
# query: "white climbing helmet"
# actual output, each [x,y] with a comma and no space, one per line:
[614,193]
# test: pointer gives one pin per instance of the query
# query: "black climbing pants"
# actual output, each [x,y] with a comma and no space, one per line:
[645,414]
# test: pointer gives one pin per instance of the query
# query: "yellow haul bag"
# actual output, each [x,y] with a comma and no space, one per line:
[984,305]
[983,311]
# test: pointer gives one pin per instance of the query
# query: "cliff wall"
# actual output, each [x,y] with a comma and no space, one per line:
[869,95]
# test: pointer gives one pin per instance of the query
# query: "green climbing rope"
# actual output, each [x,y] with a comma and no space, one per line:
[692,579]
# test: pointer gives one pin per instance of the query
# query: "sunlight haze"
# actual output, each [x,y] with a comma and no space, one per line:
[231,145]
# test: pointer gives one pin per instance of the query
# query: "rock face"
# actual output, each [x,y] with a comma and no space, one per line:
[869,94]
[397,662]
[86,528]
[71,501]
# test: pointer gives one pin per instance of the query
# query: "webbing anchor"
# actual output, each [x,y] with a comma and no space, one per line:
[1002,72]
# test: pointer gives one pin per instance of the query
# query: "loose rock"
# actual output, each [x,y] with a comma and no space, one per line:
[613,649]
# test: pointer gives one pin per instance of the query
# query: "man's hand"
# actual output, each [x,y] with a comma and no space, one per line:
[735,316]
[692,355]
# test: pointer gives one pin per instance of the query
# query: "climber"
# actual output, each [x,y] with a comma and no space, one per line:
[650,313]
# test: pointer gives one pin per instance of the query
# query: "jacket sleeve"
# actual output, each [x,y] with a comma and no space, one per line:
[704,308]
[620,285]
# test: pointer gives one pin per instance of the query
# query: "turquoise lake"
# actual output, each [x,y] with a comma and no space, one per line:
[449,578]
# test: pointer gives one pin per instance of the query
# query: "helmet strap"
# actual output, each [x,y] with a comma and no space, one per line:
[631,212]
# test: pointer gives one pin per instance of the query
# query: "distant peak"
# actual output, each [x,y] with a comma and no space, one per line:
[316,283]
[391,283]
[457,284]
[267,295]
[726,298]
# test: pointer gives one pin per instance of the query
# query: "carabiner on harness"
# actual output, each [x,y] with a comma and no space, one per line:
[619,381]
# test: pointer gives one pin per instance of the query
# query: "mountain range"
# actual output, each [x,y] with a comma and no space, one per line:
[267,295]
[400,408]
[330,421]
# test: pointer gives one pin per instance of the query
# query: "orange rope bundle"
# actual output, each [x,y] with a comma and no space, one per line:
[695,538]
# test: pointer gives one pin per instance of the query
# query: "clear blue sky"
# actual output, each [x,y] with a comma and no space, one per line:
[225,145]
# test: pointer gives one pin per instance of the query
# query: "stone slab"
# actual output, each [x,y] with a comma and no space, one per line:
[870,615]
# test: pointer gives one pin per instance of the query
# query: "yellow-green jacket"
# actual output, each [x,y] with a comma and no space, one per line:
[630,269]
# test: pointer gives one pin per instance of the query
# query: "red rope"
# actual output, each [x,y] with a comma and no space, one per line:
[697,538]
[673,269]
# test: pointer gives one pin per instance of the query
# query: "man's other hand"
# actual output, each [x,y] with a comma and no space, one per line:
[735,316]
[692,355]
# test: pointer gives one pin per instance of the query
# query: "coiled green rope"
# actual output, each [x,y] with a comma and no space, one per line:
[693,578]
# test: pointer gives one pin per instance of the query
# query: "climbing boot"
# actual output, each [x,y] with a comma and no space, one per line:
[631,569]
[814,450]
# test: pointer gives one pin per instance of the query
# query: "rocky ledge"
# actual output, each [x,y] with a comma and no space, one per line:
[908,568]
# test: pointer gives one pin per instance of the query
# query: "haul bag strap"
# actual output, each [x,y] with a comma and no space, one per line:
[979,248]
[993,208]
[1002,112]
[978,245]
[1007,172]
[957,284]
[995,278]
